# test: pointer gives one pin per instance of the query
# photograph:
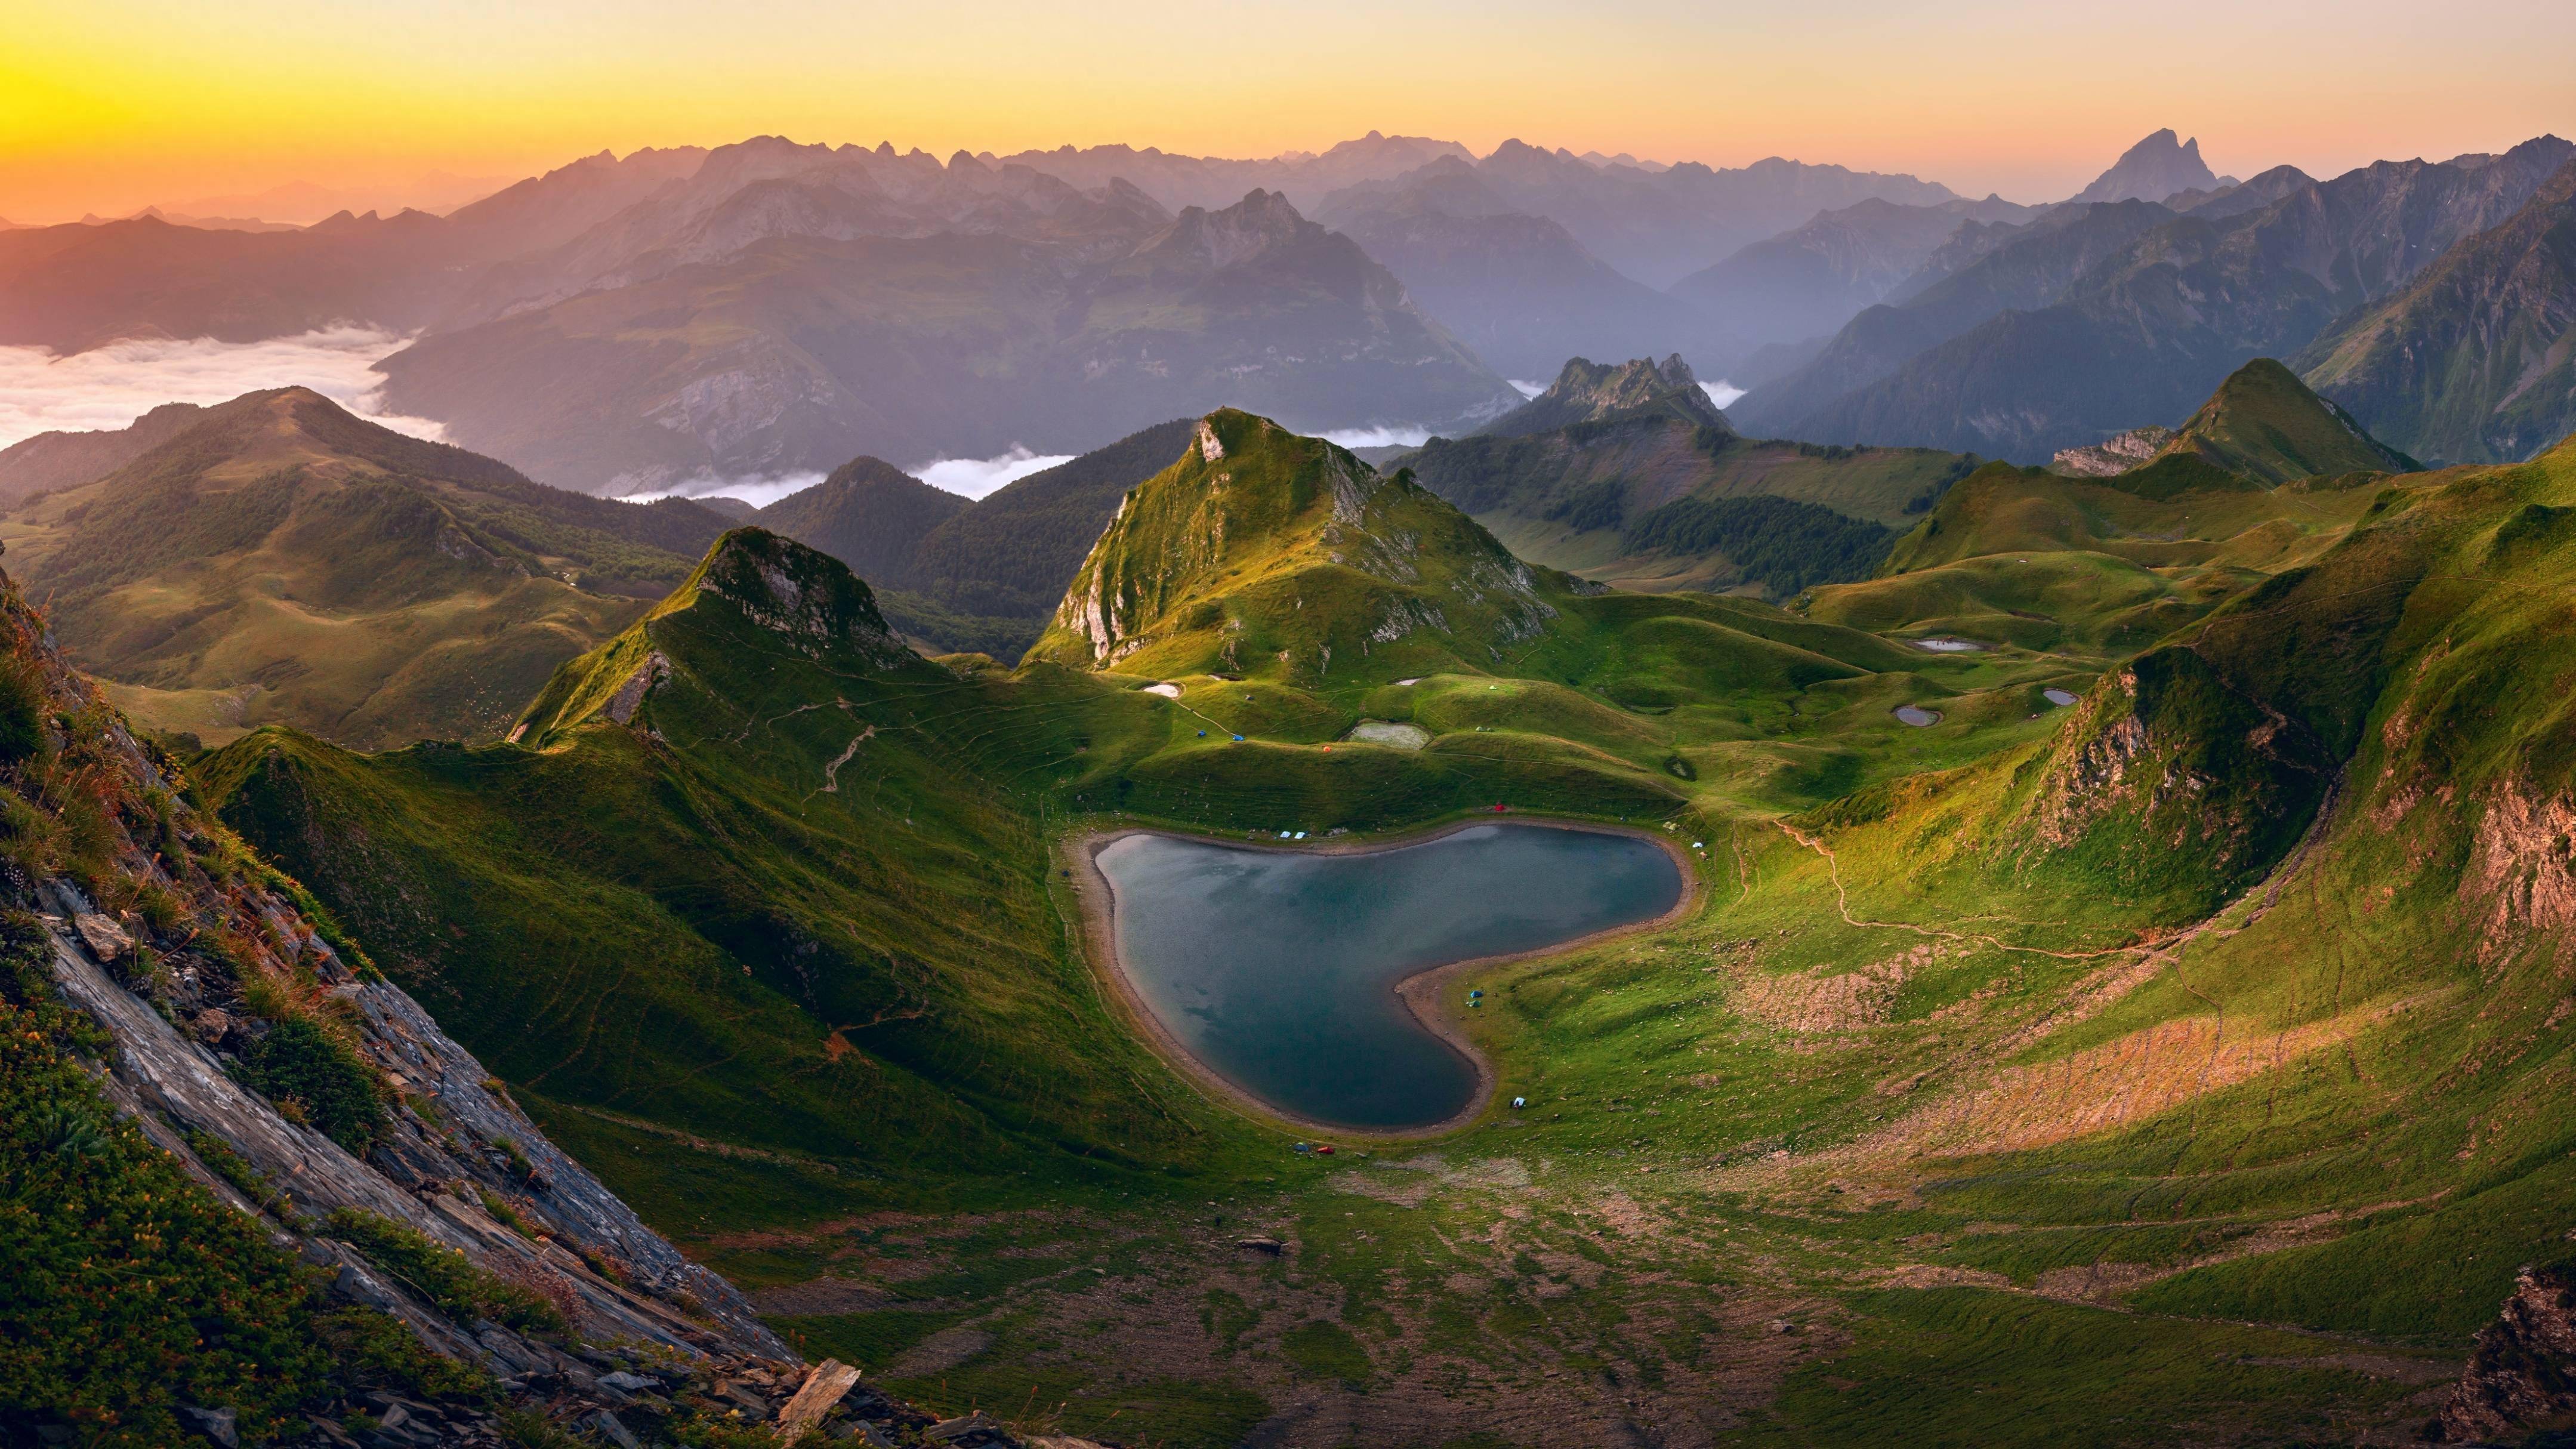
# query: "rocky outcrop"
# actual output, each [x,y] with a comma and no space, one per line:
[2521,1381]
[382,1154]
[808,598]
[2113,455]
[1591,392]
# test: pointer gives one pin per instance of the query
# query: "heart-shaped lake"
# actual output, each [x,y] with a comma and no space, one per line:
[1277,970]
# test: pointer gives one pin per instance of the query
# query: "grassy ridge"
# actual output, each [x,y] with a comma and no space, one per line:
[2230,993]
[281,561]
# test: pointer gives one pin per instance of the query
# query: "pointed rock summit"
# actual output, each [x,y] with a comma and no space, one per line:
[1588,391]
[2152,170]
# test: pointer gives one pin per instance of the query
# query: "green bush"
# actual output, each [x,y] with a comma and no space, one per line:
[298,1062]
[22,709]
[125,1288]
[1786,544]
[446,1277]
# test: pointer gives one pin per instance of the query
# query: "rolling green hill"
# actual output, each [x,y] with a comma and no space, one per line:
[2262,479]
[2025,1060]
[282,561]
[2263,423]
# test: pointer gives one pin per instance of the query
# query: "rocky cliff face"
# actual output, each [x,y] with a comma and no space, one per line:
[235,1029]
[2522,1379]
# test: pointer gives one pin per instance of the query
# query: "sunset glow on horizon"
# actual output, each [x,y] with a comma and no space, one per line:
[127,103]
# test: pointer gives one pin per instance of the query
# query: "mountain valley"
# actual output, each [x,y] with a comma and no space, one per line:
[1542,799]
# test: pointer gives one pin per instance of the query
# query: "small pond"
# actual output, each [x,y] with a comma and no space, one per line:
[2057,697]
[1277,969]
[1917,716]
[1951,646]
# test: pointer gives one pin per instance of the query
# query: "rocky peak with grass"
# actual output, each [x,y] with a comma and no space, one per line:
[755,592]
[1260,550]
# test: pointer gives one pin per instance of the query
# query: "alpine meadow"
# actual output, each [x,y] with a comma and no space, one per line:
[669,778]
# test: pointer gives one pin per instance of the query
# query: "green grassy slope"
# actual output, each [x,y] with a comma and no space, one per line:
[1266,554]
[720,900]
[2264,478]
[283,561]
[2021,1063]
[2263,423]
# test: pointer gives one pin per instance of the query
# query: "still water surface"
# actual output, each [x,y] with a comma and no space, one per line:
[1277,968]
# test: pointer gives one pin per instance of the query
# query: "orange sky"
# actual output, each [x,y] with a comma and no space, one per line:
[116,104]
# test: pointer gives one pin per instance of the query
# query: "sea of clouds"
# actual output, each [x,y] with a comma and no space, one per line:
[111,386]
[966,477]
[975,477]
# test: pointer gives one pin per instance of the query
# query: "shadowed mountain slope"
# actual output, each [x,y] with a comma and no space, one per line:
[1628,474]
[2475,361]
[801,348]
[2167,317]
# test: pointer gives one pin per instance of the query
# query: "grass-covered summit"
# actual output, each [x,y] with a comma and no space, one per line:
[282,561]
[2262,424]
[1262,553]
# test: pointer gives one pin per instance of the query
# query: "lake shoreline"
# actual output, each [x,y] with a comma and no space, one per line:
[1422,992]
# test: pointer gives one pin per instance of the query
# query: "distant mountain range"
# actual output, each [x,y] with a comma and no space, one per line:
[2475,360]
[2067,329]
[762,308]
[1808,282]
[1071,318]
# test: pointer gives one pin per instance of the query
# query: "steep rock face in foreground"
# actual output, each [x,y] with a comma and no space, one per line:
[258,1048]
[1261,552]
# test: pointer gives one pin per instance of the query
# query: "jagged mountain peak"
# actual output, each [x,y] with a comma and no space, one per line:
[1587,391]
[2153,169]
[1261,222]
